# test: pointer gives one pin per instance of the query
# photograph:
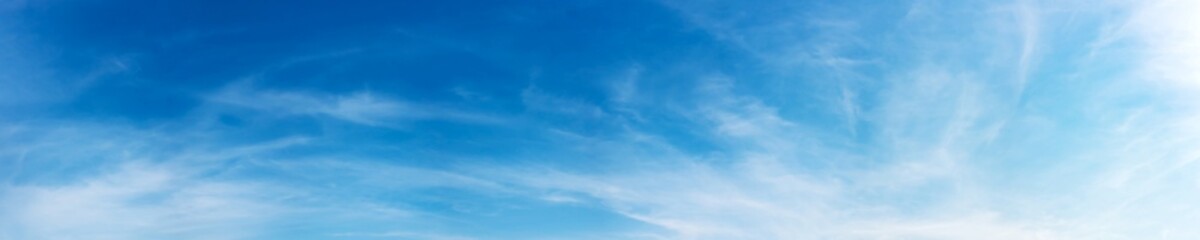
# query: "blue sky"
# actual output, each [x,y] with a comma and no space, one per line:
[627,119]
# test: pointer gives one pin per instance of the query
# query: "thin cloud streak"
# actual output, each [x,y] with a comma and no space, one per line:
[360,107]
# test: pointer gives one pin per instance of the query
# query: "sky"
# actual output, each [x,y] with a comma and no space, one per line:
[589,119]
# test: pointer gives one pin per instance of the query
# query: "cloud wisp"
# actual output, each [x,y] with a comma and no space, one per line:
[359,107]
[688,120]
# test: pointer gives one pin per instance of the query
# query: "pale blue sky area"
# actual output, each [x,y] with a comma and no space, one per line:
[625,119]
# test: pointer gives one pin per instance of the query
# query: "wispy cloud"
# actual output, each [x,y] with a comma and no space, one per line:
[359,107]
[1171,45]
[932,127]
[402,235]
[909,120]
[137,201]
[125,183]
[1029,22]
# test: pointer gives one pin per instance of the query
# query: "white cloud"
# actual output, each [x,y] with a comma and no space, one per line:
[1166,29]
[537,100]
[363,108]
[1133,176]
[109,181]
[1027,17]
[402,235]
[760,199]
[137,201]
[925,179]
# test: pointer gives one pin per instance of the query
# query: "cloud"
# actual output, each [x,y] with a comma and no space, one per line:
[760,199]
[138,202]
[535,99]
[74,180]
[933,128]
[363,107]
[938,145]
[403,235]
[1171,42]
[1027,16]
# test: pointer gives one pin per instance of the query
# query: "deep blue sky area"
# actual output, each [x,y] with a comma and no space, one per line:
[624,119]
[417,50]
